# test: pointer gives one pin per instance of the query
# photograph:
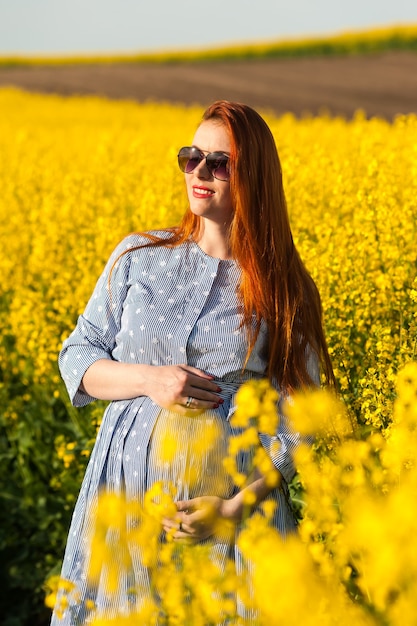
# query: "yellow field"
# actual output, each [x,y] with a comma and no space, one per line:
[77,174]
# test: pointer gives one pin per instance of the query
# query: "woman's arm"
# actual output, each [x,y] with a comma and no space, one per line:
[168,386]
[248,498]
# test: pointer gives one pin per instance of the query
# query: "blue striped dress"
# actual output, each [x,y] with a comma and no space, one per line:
[163,306]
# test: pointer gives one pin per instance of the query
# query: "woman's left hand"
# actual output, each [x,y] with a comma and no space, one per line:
[200,518]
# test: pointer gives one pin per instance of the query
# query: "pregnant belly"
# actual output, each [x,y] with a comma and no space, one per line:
[186,454]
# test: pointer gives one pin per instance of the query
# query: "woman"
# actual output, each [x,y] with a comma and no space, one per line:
[178,321]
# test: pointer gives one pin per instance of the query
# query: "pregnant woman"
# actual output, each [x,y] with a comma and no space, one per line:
[179,319]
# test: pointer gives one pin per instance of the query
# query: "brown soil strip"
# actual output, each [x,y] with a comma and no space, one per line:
[383,85]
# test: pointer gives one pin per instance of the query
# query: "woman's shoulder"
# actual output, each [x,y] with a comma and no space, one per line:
[137,240]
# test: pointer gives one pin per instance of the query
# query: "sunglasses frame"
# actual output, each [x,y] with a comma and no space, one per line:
[210,157]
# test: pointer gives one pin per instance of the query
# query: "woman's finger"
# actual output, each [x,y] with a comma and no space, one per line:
[200,380]
[197,372]
[195,404]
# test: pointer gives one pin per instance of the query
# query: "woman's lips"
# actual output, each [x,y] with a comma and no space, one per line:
[202,192]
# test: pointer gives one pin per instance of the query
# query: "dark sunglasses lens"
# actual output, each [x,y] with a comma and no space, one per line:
[218,166]
[188,159]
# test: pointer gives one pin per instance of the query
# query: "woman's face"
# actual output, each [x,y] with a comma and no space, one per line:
[208,197]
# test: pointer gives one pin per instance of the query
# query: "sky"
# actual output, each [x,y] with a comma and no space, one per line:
[105,26]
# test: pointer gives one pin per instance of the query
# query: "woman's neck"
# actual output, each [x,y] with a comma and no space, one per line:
[213,239]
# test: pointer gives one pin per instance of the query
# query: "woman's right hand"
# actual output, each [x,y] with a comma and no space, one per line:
[170,386]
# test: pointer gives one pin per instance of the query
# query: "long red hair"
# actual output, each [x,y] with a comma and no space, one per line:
[275,286]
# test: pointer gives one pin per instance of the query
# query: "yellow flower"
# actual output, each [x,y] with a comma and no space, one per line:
[319,412]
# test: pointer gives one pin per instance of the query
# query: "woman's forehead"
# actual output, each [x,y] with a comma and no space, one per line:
[212,136]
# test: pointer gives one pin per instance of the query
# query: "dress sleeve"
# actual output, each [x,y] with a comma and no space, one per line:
[281,446]
[94,336]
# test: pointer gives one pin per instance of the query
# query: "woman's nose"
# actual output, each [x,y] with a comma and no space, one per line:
[202,170]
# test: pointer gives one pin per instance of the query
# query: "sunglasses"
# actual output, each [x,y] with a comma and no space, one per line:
[217,163]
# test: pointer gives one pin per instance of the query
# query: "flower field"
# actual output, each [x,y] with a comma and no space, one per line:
[76,175]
